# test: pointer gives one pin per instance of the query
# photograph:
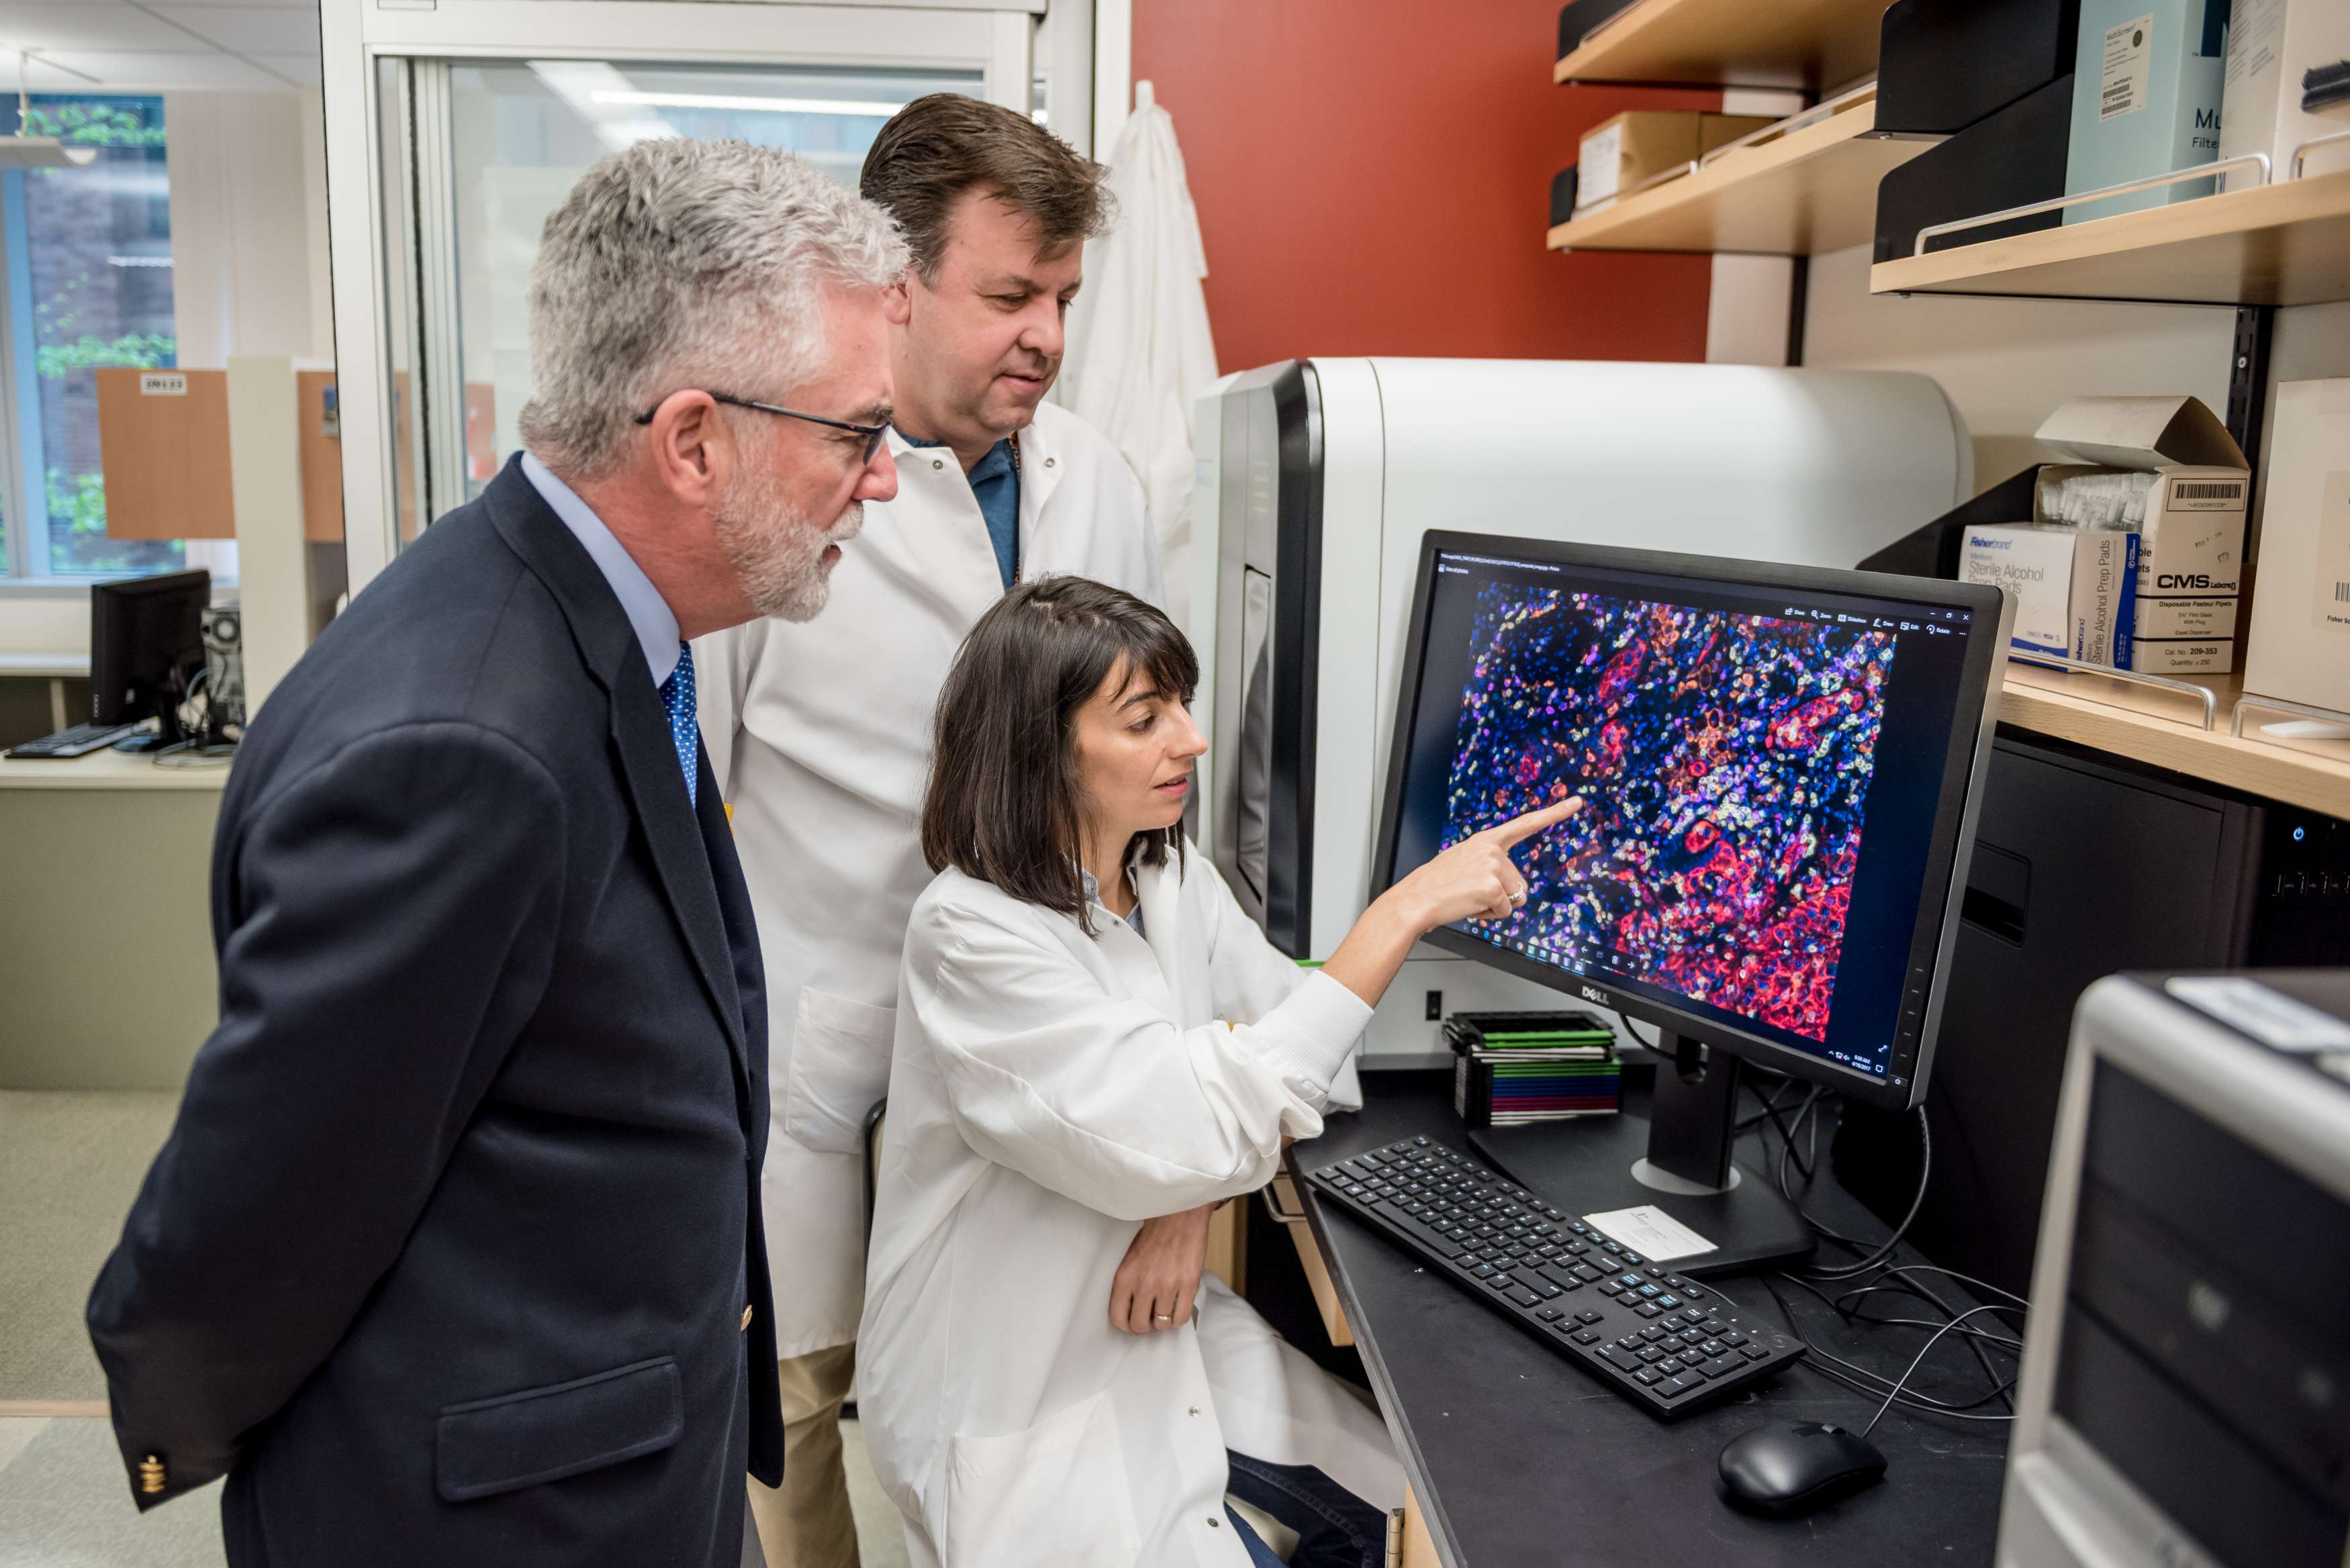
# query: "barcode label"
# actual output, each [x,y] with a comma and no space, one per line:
[2208,489]
[2342,593]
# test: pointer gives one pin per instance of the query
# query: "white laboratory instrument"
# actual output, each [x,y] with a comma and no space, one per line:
[1320,477]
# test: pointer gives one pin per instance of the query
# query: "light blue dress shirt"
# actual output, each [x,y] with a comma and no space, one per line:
[648,612]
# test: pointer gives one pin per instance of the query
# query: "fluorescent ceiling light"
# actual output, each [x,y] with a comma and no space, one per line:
[754,105]
[588,86]
[43,152]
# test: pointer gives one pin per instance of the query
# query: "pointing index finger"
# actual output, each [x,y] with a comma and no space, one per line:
[1517,830]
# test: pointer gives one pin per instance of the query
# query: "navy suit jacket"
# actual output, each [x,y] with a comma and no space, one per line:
[448,1257]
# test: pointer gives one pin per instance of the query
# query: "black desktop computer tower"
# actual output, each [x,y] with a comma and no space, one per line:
[2085,864]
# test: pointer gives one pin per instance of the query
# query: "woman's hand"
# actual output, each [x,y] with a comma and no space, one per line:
[1155,1283]
[1474,879]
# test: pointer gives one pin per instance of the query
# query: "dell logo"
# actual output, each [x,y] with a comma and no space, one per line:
[1593,993]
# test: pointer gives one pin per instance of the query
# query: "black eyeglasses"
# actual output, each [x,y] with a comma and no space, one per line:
[874,434]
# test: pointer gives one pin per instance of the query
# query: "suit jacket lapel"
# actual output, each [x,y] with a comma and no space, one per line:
[640,729]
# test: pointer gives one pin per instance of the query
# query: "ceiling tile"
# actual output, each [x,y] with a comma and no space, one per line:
[215,72]
[304,68]
[248,29]
[114,29]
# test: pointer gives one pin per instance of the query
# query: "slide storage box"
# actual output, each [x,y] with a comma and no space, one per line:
[2299,640]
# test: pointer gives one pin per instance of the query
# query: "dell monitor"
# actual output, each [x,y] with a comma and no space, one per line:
[1779,767]
[146,647]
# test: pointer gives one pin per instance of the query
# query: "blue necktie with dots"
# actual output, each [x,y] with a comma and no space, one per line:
[677,695]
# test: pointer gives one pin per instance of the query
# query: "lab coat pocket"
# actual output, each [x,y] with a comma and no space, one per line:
[1052,1495]
[839,1067]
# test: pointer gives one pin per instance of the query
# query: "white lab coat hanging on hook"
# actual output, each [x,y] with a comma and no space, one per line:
[1141,352]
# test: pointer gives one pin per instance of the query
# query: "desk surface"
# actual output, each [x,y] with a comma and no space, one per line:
[109,770]
[1518,1457]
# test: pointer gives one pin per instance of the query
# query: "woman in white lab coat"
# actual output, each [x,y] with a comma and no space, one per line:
[1090,1035]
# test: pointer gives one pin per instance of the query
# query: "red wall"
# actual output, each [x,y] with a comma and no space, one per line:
[1373,177]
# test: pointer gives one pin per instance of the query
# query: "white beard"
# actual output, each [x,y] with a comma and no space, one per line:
[776,549]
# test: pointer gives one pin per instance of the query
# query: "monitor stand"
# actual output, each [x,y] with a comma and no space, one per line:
[1675,1159]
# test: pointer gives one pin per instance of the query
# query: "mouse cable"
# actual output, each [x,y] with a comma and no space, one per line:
[1870,1385]
[1962,1279]
[1851,1315]
[1918,1358]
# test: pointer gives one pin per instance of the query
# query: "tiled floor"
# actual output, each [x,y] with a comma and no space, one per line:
[69,1165]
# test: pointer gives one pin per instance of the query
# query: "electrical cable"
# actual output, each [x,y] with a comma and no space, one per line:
[1869,1385]
[1916,1360]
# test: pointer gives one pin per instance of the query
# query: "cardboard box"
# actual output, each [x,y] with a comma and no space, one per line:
[2298,645]
[2075,588]
[2271,45]
[2199,620]
[2146,99]
[2193,541]
[1624,151]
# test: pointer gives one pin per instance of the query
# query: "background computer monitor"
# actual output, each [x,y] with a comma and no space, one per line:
[1779,766]
[146,643]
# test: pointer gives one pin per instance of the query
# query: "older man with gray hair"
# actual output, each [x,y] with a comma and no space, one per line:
[454,1256]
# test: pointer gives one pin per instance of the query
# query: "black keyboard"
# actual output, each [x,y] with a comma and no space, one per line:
[1667,1343]
[80,741]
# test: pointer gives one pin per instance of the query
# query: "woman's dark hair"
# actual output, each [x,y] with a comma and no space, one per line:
[1005,804]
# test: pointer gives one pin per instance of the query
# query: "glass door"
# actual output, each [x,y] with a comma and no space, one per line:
[493,147]
[470,130]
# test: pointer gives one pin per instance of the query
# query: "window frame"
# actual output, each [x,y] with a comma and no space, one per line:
[24,551]
[996,37]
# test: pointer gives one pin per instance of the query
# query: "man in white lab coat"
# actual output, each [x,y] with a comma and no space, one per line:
[821,741]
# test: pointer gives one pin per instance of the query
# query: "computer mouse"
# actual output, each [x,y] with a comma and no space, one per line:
[1797,1468]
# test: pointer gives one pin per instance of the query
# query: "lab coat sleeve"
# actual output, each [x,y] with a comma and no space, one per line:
[1248,976]
[1106,1099]
[723,665]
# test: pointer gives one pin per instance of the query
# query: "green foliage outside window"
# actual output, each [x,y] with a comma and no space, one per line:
[136,350]
[93,125]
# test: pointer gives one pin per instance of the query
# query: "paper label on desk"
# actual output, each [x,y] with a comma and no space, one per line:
[2270,1017]
[1650,1232]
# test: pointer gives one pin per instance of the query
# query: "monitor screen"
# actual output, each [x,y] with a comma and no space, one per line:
[1773,761]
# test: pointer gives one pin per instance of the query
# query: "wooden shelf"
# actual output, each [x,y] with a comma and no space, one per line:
[1814,45]
[2040,699]
[1806,191]
[2284,243]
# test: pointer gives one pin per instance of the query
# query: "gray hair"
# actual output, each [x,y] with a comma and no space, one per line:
[676,264]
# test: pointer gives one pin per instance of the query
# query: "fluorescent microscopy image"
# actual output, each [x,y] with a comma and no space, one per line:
[1724,762]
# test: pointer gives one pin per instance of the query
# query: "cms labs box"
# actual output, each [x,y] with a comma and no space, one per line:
[2191,543]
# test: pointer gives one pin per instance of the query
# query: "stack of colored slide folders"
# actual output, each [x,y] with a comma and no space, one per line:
[1511,1068]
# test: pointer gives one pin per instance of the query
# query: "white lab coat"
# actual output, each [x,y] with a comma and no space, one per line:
[819,733]
[1140,353]
[1049,1092]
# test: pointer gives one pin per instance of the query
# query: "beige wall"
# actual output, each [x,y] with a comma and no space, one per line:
[2008,363]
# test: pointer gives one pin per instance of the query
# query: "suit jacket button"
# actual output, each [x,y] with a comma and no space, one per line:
[746,1318]
[151,1475]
